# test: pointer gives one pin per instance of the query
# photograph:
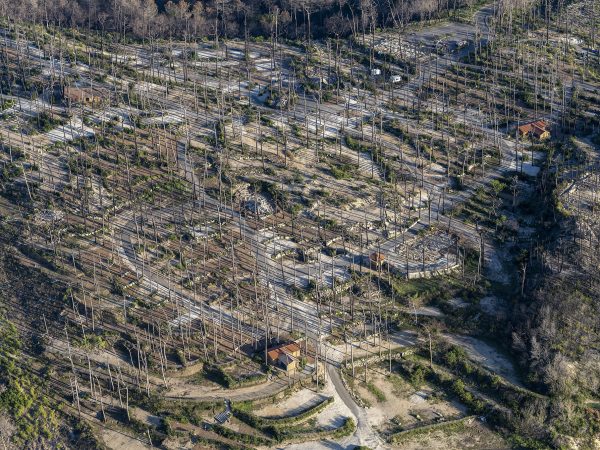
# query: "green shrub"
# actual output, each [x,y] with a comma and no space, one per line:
[378,393]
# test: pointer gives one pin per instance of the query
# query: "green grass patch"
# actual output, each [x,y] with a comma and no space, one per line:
[378,393]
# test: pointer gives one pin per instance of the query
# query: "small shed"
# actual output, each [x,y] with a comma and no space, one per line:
[376,259]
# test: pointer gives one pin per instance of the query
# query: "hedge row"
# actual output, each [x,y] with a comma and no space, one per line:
[218,375]
[275,431]
[240,437]
[305,436]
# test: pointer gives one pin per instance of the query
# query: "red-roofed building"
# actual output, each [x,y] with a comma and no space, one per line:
[284,357]
[538,129]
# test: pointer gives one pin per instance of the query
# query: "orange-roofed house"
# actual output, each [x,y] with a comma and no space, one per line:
[538,129]
[284,357]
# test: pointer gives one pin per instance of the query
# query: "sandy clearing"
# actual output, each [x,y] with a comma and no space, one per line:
[145,417]
[119,441]
[486,355]
[397,340]
[333,416]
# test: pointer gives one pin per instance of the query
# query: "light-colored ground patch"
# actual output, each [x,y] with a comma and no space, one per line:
[458,303]
[335,414]
[75,129]
[430,311]
[486,355]
[143,416]
[298,402]
[118,441]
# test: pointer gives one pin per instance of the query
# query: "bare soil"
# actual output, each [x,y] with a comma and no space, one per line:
[118,441]
[403,403]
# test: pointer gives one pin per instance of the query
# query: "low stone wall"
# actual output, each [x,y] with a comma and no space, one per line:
[433,273]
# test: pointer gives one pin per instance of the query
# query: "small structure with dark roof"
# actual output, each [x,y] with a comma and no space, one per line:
[88,96]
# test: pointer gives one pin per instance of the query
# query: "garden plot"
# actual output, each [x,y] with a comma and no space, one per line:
[449,31]
[121,115]
[298,402]
[148,87]
[331,270]
[221,85]
[117,440]
[15,127]
[324,271]
[28,108]
[365,215]
[236,54]
[426,311]
[361,348]
[202,232]
[47,216]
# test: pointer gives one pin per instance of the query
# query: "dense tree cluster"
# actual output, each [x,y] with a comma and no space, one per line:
[229,18]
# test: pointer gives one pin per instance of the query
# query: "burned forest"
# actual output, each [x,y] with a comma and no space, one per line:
[349,224]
